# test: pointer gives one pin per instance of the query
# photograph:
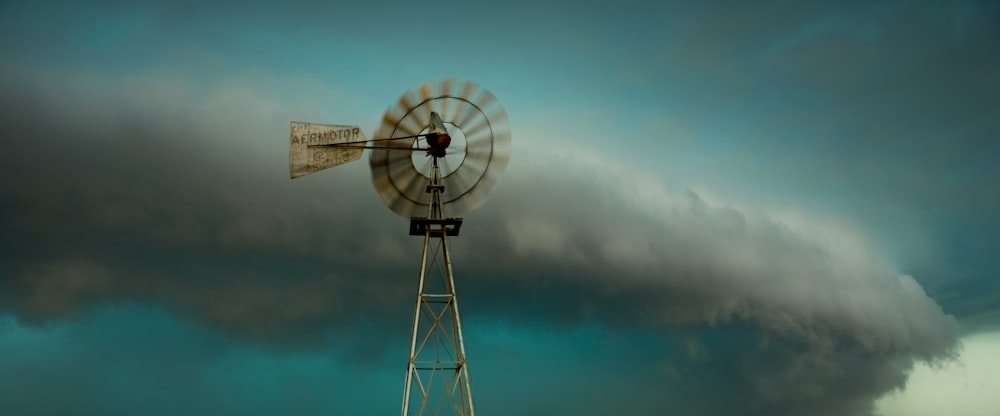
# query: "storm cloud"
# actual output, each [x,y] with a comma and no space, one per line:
[192,210]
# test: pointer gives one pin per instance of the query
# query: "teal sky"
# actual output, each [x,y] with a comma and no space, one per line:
[790,205]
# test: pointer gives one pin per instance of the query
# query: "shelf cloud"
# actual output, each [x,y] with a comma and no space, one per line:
[143,196]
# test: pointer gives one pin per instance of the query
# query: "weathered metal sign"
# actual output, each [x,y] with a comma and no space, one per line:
[313,147]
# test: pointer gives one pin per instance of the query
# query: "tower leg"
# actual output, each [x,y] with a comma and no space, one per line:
[462,371]
[411,369]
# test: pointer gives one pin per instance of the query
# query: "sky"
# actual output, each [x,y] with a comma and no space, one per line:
[711,208]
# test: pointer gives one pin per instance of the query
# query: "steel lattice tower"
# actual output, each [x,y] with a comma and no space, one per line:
[437,376]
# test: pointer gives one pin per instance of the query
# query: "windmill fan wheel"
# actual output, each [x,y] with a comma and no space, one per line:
[454,125]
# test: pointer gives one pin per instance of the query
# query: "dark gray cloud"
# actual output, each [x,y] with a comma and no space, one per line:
[121,197]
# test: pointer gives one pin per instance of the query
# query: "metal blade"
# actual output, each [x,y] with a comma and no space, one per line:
[448,102]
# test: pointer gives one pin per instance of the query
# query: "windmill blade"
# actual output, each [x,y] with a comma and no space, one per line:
[412,196]
[446,105]
[398,127]
[426,91]
[459,183]
[476,137]
[467,90]
[477,161]
[485,120]
[483,103]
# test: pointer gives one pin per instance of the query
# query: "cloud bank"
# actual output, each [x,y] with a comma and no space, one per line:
[147,193]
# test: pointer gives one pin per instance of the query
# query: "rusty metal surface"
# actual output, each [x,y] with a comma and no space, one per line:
[306,150]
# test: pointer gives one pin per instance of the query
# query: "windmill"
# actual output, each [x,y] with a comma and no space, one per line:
[438,152]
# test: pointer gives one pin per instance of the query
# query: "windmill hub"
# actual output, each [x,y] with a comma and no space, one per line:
[448,148]
[437,144]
